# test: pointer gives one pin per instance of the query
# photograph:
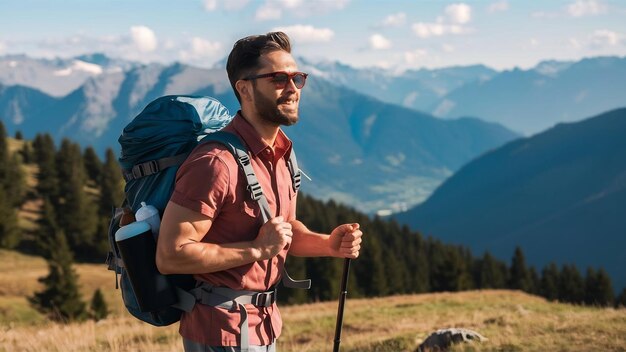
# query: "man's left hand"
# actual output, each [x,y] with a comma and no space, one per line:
[345,241]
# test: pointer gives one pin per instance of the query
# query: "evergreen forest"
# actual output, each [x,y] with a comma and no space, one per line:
[75,191]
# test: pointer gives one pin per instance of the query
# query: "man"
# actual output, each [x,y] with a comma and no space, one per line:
[212,228]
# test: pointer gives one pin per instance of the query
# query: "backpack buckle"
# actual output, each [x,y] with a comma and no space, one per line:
[145,169]
[255,191]
[244,159]
[152,167]
[264,299]
[297,179]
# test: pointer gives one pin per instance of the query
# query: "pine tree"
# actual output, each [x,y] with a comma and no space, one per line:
[519,276]
[441,278]
[111,183]
[18,135]
[598,288]
[394,267]
[98,306]
[620,301]
[12,176]
[549,284]
[15,185]
[417,261]
[449,271]
[47,227]
[93,165]
[60,298]
[4,152]
[47,181]
[10,234]
[571,285]
[492,273]
[4,156]
[77,213]
[590,287]
[27,153]
[369,270]
[605,295]
[11,189]
[535,281]
[395,272]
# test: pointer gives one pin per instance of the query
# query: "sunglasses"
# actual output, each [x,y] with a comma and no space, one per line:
[282,78]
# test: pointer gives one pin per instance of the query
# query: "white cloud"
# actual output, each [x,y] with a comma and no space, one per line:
[543,14]
[144,38]
[2,47]
[202,47]
[210,5]
[378,42]
[427,30]
[235,5]
[598,40]
[200,51]
[582,8]
[267,12]
[459,13]
[447,48]
[383,64]
[499,6]
[322,6]
[229,5]
[395,20]
[169,44]
[575,43]
[603,38]
[307,34]
[290,4]
[274,9]
[414,56]
[456,16]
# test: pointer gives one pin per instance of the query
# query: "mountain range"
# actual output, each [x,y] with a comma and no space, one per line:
[530,101]
[357,149]
[560,195]
[527,101]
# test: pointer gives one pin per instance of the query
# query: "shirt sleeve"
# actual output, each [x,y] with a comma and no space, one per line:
[202,183]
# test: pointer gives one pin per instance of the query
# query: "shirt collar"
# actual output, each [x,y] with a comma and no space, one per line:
[282,144]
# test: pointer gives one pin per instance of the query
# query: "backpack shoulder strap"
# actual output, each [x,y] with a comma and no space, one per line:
[240,152]
[238,149]
[294,170]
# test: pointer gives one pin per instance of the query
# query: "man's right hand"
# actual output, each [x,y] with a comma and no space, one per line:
[273,237]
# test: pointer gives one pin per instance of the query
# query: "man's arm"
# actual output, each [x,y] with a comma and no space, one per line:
[343,242]
[180,249]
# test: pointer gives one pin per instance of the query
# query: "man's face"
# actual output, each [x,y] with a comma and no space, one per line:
[275,105]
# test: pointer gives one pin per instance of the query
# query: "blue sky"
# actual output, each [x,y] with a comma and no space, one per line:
[394,34]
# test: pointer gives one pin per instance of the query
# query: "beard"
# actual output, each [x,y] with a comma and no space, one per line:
[271,111]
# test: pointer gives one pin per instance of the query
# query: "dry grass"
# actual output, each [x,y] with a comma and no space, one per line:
[512,321]
[14,145]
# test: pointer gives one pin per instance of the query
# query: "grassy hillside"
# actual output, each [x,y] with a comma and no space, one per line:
[512,321]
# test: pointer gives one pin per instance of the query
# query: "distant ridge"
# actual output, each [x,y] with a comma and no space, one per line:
[533,100]
[560,194]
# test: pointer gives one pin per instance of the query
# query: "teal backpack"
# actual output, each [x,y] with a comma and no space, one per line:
[153,146]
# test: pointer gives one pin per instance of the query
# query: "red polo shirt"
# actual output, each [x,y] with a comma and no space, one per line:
[211,182]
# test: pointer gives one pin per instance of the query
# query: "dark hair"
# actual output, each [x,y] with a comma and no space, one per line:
[244,58]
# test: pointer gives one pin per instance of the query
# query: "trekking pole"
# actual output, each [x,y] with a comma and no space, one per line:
[342,302]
